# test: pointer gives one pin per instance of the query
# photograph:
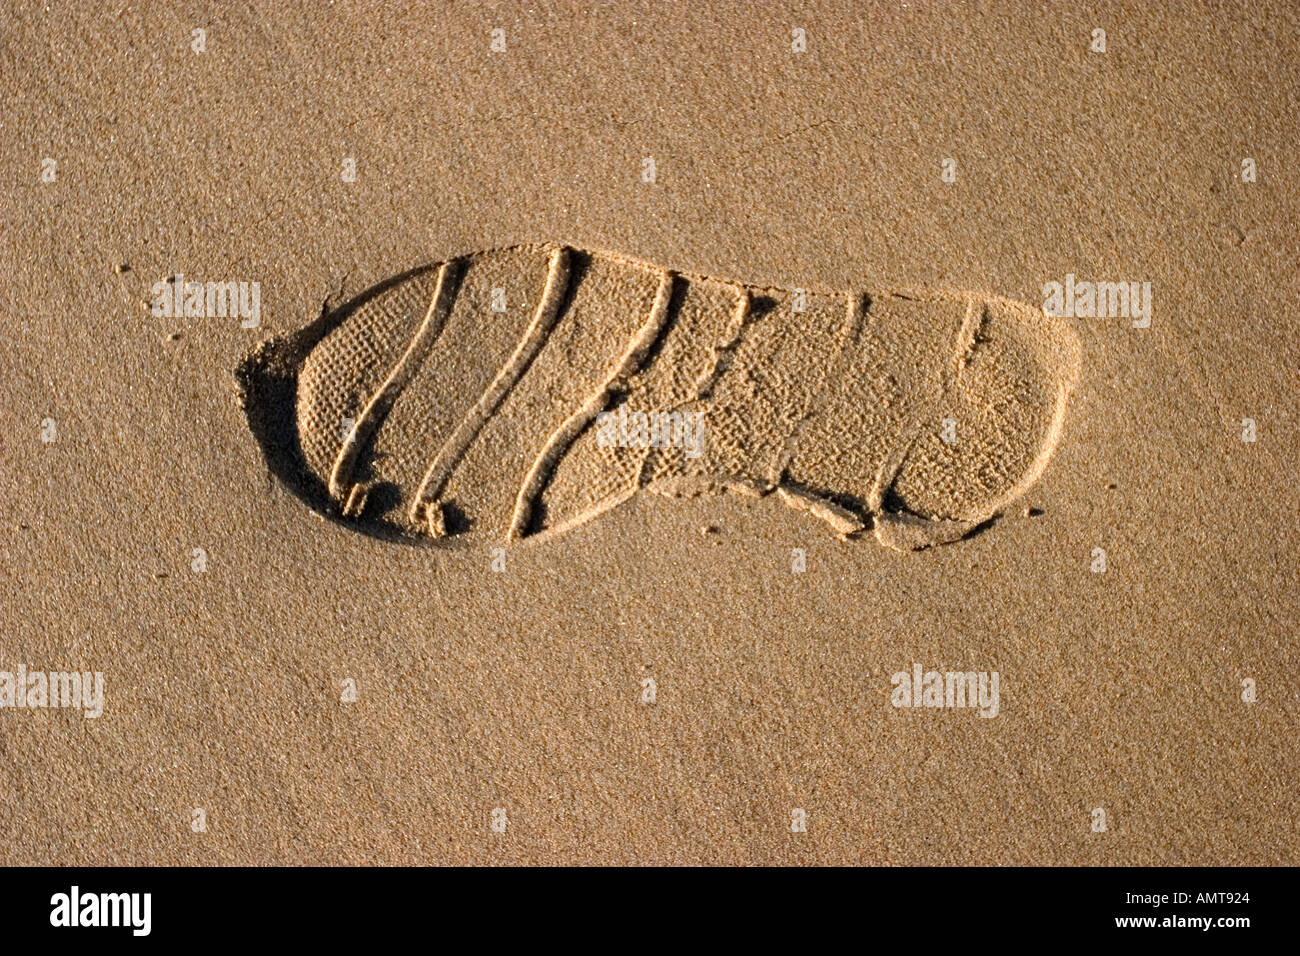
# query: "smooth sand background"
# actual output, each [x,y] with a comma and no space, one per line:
[520,689]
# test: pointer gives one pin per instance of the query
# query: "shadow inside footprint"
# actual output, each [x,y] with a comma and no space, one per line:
[268,391]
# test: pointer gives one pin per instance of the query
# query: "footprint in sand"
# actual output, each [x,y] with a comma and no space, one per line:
[475,399]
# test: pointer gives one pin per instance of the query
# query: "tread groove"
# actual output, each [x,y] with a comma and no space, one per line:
[372,415]
[632,359]
[457,444]
[858,306]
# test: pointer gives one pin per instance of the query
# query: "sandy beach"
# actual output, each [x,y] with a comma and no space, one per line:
[693,675]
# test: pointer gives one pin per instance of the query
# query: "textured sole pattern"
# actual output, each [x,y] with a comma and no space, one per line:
[516,393]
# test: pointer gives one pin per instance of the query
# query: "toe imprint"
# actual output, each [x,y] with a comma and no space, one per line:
[516,393]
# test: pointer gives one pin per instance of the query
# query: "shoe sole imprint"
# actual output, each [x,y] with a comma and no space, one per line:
[464,400]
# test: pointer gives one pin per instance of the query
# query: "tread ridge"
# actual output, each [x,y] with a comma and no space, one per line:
[558,274]
[858,306]
[967,339]
[723,352]
[558,444]
[376,408]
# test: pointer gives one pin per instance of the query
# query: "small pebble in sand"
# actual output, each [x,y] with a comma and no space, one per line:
[710,529]
[122,267]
